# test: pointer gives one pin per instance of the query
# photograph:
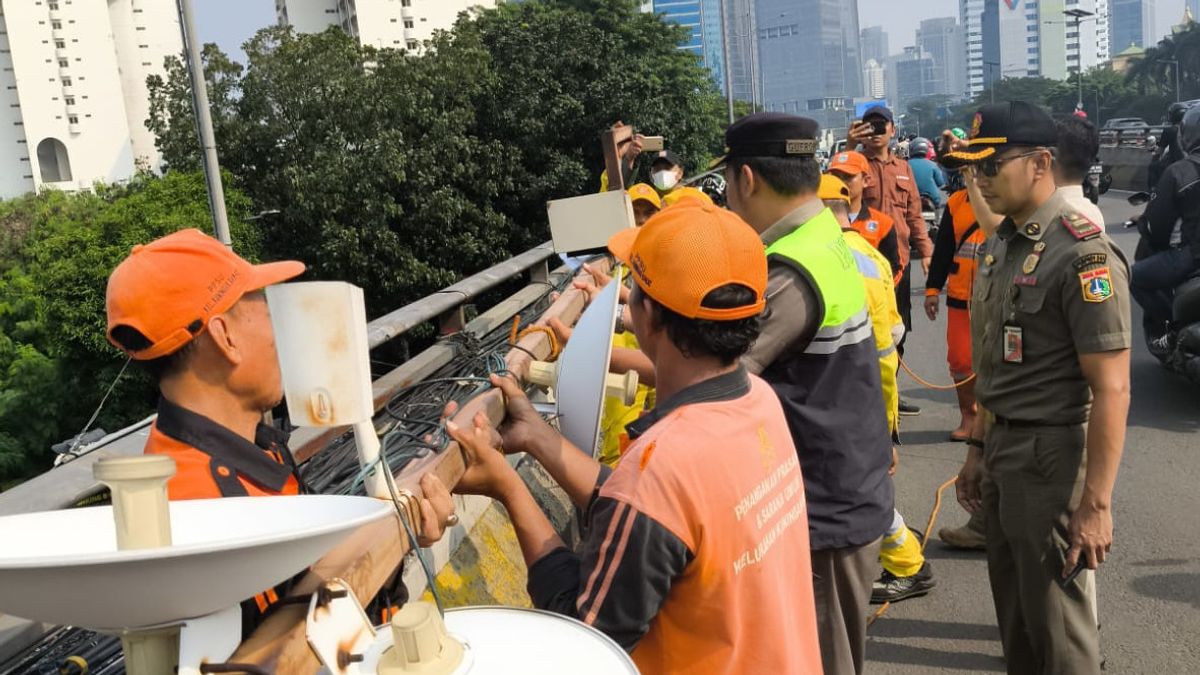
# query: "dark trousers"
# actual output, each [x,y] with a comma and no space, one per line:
[842,580]
[1035,482]
[1153,284]
[904,304]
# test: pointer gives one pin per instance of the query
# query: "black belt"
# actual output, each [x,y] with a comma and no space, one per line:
[1010,422]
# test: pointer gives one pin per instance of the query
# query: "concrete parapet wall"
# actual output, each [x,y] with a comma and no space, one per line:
[1129,167]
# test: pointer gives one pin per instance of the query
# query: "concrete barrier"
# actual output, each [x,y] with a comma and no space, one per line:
[1129,167]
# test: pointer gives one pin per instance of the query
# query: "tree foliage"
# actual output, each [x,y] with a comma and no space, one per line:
[55,363]
[401,172]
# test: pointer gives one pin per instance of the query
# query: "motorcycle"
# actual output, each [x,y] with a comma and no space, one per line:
[932,217]
[1092,183]
[1179,352]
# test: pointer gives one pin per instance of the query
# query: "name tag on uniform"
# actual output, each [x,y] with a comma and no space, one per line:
[1014,348]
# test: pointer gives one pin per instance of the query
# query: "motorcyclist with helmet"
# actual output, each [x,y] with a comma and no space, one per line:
[929,176]
[1170,236]
[1167,150]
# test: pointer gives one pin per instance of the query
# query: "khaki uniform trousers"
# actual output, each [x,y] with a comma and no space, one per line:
[1035,481]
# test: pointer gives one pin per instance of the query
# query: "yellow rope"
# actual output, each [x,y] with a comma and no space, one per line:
[930,385]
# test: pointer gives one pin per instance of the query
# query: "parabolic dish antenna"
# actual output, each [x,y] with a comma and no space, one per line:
[583,369]
[63,567]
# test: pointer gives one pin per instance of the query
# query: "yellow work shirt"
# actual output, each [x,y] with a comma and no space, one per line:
[885,317]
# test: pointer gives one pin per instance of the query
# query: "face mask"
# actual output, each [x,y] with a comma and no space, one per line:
[664,180]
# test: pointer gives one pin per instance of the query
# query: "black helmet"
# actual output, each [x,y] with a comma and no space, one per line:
[1189,129]
[919,147]
[1175,112]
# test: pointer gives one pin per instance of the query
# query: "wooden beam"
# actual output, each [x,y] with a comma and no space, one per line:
[366,560]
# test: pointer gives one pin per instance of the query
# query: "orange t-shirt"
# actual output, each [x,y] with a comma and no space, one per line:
[724,478]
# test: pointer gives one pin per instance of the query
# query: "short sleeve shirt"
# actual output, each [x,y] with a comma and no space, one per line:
[1047,291]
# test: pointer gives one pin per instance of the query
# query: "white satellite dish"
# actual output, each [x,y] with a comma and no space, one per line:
[64,567]
[580,376]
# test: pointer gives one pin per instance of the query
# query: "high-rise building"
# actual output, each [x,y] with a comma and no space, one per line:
[394,24]
[874,43]
[1132,23]
[942,40]
[979,71]
[1027,38]
[74,104]
[702,18]
[741,32]
[874,82]
[915,78]
[809,56]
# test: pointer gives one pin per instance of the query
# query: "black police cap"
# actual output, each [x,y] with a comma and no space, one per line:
[770,134]
[1000,125]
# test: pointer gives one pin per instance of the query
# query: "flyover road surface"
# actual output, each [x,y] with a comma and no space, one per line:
[1149,590]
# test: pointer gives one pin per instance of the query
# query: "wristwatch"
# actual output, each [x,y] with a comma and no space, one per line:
[620,325]
[974,443]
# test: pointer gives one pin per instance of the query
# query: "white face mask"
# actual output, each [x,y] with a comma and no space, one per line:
[664,180]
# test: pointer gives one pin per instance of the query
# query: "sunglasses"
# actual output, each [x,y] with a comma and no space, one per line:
[992,166]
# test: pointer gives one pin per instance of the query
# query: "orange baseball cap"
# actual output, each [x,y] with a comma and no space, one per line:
[642,191]
[168,289]
[849,162]
[685,252]
[832,187]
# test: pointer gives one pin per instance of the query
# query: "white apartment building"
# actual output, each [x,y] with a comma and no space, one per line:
[970,17]
[392,24]
[73,99]
[1028,38]
[874,82]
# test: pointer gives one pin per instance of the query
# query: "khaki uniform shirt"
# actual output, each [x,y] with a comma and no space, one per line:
[1047,291]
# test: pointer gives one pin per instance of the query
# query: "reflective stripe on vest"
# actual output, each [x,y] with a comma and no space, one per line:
[830,390]
[962,272]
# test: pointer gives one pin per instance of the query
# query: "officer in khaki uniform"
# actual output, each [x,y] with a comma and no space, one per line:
[1051,337]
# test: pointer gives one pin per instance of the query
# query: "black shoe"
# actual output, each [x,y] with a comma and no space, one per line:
[908,409]
[891,588]
[1162,346]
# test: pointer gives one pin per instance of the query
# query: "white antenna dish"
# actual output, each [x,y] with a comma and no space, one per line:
[582,370]
[64,567]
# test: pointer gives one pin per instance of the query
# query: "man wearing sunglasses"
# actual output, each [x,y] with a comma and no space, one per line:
[1050,343]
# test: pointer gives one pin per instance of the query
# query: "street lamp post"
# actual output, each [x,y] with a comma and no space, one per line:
[1079,15]
[992,84]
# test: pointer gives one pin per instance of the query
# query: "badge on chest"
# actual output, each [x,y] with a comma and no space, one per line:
[1014,347]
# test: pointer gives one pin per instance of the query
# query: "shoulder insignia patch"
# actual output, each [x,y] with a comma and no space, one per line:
[872,226]
[1089,261]
[1097,285]
[1080,227]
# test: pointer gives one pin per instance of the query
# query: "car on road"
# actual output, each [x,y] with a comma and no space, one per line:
[1125,123]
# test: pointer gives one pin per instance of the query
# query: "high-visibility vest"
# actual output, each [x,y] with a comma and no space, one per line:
[830,390]
[969,236]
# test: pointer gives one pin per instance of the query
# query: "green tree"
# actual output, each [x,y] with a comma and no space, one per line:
[401,173]
[55,363]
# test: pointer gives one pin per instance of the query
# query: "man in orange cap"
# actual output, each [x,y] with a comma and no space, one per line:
[695,553]
[876,227]
[195,313]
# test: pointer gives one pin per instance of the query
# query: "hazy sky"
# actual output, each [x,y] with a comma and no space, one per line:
[230,22]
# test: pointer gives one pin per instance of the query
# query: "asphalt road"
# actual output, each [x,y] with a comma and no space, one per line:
[1149,590]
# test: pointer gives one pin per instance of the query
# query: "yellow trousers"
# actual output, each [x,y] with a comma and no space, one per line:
[900,552]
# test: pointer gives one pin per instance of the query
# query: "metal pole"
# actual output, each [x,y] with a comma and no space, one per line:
[725,49]
[204,128]
[1177,95]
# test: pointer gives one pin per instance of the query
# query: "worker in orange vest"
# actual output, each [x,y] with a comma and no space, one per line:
[875,226]
[195,314]
[953,267]
[695,557]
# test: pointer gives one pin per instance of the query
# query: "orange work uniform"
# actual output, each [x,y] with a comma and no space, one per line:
[879,229]
[696,553]
[953,266]
[212,461]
